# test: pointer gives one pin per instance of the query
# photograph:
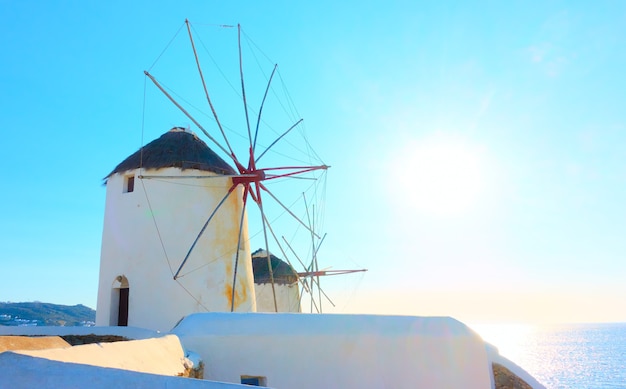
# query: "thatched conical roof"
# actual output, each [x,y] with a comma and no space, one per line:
[176,148]
[283,273]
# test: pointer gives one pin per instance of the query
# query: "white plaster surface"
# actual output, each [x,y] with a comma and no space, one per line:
[287,297]
[339,351]
[27,372]
[147,234]
[162,355]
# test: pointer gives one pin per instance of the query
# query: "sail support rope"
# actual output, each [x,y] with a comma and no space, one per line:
[167,259]
[166,47]
[303,280]
[187,114]
[288,210]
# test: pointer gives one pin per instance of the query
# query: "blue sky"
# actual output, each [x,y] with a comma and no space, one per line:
[477,148]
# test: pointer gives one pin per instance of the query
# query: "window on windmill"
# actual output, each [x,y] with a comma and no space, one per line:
[129,184]
[253,380]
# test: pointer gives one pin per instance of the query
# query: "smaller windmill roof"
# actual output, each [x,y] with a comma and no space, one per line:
[176,148]
[283,273]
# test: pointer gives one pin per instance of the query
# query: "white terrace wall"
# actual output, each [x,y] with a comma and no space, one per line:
[27,372]
[147,233]
[338,351]
[163,355]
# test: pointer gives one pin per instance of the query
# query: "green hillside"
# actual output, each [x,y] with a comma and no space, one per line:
[45,314]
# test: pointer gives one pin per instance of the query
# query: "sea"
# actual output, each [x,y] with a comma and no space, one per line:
[589,356]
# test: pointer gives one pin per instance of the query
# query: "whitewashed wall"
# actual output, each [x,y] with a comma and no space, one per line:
[338,351]
[162,355]
[148,232]
[287,297]
[27,372]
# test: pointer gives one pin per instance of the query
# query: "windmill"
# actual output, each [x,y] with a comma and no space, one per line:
[242,191]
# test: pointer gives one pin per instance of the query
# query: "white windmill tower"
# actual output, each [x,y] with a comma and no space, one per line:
[285,288]
[175,237]
[157,200]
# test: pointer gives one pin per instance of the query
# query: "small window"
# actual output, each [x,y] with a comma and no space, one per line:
[253,380]
[129,184]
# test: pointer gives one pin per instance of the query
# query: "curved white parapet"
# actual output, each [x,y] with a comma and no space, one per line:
[495,357]
[315,351]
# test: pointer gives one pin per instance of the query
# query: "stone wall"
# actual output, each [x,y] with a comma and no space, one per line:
[76,340]
[506,379]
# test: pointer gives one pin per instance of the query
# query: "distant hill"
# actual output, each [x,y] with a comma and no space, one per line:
[45,314]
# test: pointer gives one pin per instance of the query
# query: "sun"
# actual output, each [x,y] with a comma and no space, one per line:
[440,175]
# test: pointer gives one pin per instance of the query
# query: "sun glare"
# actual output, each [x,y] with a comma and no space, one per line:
[510,339]
[440,175]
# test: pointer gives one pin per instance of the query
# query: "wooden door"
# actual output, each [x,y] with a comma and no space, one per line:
[122,314]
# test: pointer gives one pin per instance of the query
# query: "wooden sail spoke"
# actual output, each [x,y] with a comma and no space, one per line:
[206,91]
[219,205]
